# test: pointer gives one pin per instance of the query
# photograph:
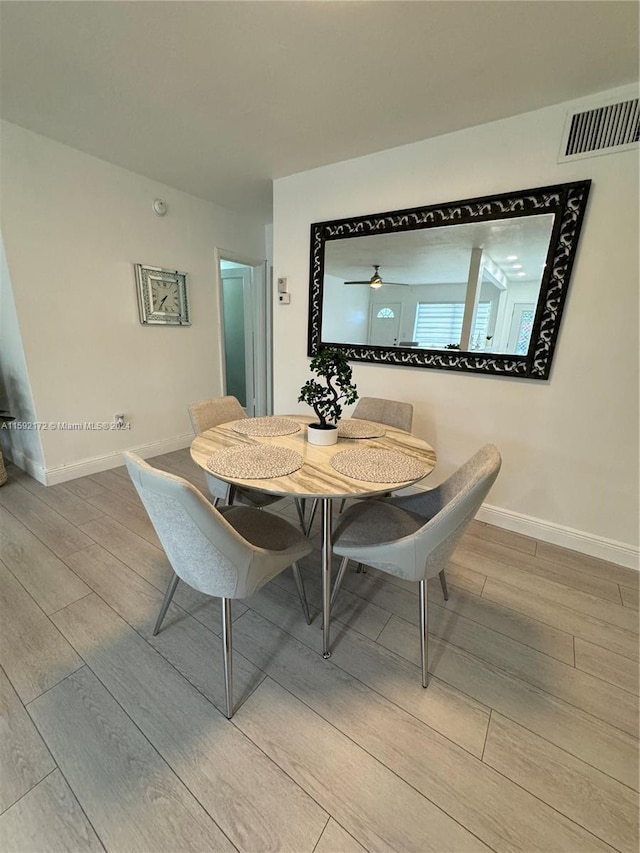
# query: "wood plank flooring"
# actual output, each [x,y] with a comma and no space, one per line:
[114,740]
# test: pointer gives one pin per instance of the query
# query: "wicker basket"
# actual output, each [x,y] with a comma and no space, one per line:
[3,471]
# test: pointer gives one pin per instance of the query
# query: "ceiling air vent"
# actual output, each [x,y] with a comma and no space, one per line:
[603,130]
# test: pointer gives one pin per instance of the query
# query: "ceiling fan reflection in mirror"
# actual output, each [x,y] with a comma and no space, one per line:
[376,280]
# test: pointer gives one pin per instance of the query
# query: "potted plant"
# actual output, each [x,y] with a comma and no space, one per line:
[327,399]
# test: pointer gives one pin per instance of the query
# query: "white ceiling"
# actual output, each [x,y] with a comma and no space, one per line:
[218,98]
[443,254]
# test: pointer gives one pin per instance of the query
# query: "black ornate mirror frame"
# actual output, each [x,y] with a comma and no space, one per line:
[566,201]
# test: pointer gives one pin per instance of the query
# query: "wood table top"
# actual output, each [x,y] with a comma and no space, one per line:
[316,478]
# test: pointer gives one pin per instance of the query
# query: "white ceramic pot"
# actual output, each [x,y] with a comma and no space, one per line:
[323,437]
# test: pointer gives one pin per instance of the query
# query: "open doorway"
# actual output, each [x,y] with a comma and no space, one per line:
[245,313]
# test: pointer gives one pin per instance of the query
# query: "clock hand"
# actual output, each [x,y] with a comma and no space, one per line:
[162,301]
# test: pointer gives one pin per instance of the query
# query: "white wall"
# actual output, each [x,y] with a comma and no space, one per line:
[73,227]
[346,311]
[570,445]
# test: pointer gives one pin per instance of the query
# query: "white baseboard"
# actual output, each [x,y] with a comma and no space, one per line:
[52,476]
[575,540]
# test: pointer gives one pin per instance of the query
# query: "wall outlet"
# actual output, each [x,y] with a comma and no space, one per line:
[284,298]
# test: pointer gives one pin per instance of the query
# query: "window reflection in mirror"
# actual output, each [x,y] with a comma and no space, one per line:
[471,287]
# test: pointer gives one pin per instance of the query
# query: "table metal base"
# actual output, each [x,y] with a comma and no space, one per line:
[326,576]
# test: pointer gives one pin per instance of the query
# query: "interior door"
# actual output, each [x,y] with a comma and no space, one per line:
[521,325]
[384,323]
[238,329]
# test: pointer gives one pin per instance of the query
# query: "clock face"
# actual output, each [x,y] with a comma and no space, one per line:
[165,298]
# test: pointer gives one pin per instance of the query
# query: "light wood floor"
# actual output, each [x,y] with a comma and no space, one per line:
[111,739]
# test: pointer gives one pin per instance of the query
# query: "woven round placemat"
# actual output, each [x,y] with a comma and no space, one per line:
[265,426]
[377,466]
[356,428]
[255,462]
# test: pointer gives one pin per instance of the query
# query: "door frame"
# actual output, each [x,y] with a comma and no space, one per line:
[262,326]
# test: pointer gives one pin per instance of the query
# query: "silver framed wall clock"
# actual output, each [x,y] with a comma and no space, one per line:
[163,299]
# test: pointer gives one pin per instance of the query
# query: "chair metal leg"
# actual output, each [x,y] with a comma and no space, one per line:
[173,583]
[227,653]
[312,515]
[301,593]
[300,506]
[342,503]
[443,584]
[338,580]
[424,641]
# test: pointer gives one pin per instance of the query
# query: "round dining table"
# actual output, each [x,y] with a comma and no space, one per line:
[317,478]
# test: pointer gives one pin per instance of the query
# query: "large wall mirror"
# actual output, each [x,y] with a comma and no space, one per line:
[476,285]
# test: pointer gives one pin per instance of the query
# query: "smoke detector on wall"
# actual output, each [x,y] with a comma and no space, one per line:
[159,207]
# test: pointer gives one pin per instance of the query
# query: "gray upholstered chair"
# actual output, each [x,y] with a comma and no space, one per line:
[228,554]
[210,413]
[413,536]
[391,412]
